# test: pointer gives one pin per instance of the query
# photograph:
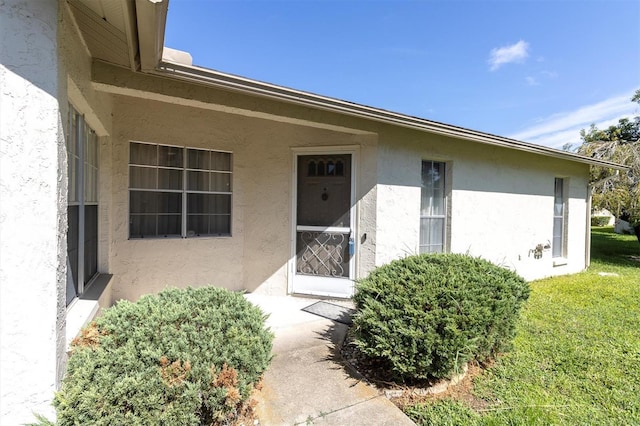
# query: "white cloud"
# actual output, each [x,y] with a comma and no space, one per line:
[559,129]
[531,81]
[504,55]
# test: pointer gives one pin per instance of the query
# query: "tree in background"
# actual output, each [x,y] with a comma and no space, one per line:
[618,192]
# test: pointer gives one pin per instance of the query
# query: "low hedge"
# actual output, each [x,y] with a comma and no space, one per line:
[425,316]
[181,357]
[600,220]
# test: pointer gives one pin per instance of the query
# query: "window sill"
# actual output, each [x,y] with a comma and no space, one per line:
[85,308]
[560,261]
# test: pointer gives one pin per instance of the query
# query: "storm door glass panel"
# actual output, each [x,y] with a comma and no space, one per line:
[324,200]
[323,254]
[558,218]
[432,207]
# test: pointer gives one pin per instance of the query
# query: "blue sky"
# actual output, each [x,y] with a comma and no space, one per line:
[537,71]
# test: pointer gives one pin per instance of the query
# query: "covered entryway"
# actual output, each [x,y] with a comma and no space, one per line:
[324,225]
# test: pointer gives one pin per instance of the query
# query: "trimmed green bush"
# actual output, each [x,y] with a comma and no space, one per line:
[599,220]
[181,357]
[425,316]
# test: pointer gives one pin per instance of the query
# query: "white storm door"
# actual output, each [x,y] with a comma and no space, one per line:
[324,234]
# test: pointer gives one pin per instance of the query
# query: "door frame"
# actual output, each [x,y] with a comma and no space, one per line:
[354,151]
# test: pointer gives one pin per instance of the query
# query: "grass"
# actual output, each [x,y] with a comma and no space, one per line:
[576,355]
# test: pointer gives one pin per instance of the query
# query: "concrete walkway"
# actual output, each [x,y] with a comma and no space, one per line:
[307,383]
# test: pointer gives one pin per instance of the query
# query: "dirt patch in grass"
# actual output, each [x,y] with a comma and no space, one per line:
[407,394]
[461,392]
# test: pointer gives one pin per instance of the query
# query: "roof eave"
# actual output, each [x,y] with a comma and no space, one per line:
[151,18]
[244,85]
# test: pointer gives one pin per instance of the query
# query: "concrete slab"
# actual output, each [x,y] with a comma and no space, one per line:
[307,382]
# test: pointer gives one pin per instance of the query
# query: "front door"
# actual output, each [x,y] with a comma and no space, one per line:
[324,244]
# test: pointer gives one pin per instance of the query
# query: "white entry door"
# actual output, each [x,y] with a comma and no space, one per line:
[324,234]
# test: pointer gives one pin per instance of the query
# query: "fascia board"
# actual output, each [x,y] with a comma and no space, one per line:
[241,84]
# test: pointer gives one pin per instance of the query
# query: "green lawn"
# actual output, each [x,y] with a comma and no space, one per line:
[576,355]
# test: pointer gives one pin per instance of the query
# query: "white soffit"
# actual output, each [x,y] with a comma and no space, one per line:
[106,27]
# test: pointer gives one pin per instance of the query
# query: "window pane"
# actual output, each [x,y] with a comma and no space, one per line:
[221,161]
[198,181]
[170,156]
[142,177]
[433,203]
[221,182]
[432,233]
[169,202]
[205,224]
[169,179]
[142,153]
[73,232]
[558,209]
[197,225]
[90,242]
[208,204]
[142,202]
[198,159]
[433,189]
[558,234]
[142,226]
[169,225]
[90,184]
[221,225]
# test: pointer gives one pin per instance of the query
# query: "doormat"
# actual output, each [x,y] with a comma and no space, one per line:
[331,311]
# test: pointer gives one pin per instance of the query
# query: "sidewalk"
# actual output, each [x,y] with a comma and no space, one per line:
[306,383]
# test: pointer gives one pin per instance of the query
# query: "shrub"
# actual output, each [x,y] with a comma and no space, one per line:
[425,316]
[181,357]
[599,220]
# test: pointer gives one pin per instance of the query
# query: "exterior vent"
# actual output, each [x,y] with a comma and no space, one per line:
[176,56]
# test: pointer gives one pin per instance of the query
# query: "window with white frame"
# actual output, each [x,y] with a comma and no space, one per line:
[178,192]
[82,204]
[559,246]
[433,208]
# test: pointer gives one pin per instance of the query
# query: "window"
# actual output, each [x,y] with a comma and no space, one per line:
[178,192]
[559,219]
[82,204]
[432,208]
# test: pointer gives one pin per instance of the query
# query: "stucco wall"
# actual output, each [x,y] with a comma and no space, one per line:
[255,257]
[501,201]
[32,211]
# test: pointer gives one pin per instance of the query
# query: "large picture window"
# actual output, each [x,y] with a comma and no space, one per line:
[432,208]
[178,192]
[82,204]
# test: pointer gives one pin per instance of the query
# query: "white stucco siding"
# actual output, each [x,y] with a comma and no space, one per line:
[255,256]
[500,202]
[32,212]
[397,211]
